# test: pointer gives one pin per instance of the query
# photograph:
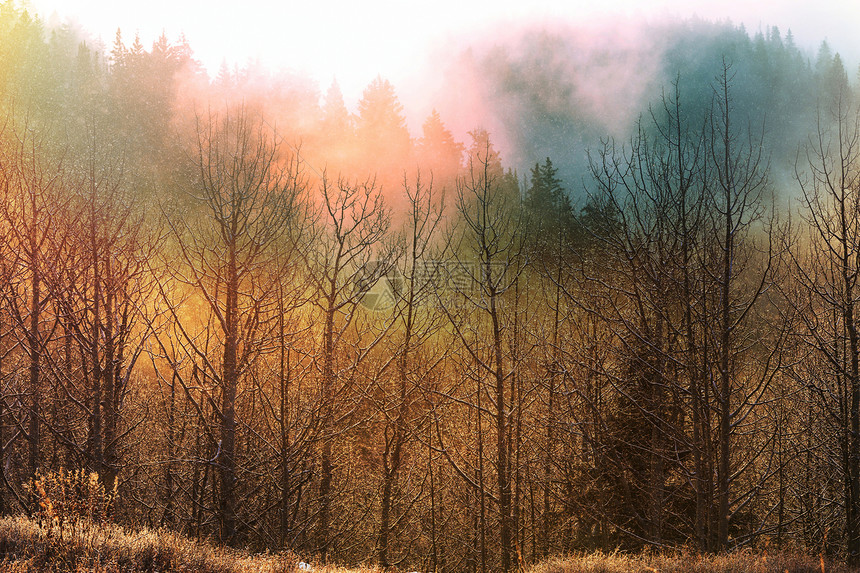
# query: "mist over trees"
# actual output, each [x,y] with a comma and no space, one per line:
[272,321]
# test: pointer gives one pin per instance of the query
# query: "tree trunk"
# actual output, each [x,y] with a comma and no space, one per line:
[226,458]
[35,351]
[326,467]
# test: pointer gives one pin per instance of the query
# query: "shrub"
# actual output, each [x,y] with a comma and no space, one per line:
[67,499]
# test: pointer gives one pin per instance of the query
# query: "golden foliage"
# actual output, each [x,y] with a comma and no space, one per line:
[69,497]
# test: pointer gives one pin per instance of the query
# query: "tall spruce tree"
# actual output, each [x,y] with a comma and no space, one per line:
[549,210]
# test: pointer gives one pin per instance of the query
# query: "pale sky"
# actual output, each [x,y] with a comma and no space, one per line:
[356,40]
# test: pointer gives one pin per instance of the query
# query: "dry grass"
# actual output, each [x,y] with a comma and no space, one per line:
[27,547]
[741,562]
[84,546]
[71,533]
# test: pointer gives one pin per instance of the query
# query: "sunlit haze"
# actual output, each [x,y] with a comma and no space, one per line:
[437,286]
[355,41]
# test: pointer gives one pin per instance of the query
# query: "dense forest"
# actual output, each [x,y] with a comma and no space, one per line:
[267,320]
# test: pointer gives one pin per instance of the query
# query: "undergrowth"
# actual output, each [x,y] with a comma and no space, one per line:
[688,562]
[27,546]
[71,531]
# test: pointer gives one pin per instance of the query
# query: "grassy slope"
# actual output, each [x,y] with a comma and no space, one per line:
[24,546]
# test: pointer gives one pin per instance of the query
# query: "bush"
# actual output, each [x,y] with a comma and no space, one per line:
[65,499]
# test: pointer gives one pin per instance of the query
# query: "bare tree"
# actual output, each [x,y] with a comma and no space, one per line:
[247,188]
[351,224]
[34,200]
[693,256]
[100,286]
[826,265]
[417,320]
[742,271]
[487,252]
[8,267]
